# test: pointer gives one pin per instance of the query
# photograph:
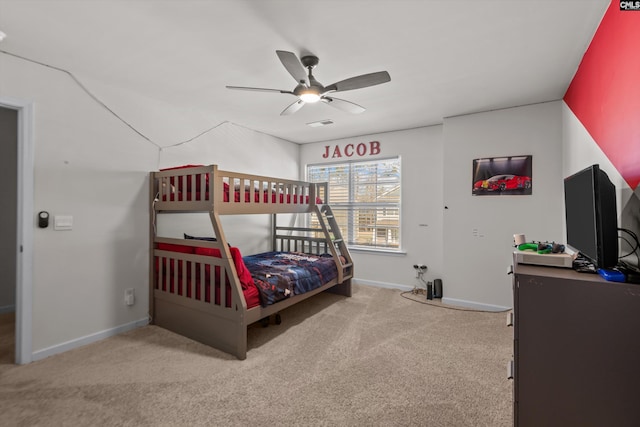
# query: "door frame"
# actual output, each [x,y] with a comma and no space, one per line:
[25,224]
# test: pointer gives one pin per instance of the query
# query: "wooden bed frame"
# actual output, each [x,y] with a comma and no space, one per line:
[220,325]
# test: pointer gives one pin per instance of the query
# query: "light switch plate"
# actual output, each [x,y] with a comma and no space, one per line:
[62,222]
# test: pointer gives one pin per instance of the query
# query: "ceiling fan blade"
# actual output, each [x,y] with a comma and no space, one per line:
[292,108]
[259,89]
[358,82]
[293,66]
[343,105]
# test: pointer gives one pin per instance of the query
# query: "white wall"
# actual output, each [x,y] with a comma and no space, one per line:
[437,173]
[88,165]
[422,168]
[581,151]
[91,165]
[232,148]
[187,136]
[475,264]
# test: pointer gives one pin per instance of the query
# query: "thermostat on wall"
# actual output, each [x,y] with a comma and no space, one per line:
[43,219]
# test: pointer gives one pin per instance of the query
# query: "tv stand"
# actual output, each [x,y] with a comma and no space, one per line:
[576,349]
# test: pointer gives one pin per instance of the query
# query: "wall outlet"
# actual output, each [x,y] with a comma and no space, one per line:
[129,296]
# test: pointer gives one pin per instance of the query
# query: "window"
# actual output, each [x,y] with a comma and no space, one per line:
[365,199]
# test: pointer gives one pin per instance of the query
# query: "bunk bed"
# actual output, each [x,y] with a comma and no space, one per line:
[205,289]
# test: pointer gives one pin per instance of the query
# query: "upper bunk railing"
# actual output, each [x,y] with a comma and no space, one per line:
[207,188]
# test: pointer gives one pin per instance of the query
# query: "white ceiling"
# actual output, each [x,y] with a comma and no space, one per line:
[445,58]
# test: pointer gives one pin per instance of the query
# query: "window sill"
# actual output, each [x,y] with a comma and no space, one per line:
[392,252]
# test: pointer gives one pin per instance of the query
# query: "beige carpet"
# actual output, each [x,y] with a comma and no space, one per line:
[375,359]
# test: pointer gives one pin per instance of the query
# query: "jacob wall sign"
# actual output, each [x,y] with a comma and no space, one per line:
[362,149]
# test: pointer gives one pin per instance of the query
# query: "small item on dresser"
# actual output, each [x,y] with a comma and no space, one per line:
[528,246]
[519,239]
[612,275]
[631,272]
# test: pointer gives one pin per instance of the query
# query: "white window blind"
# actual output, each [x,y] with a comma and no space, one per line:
[365,199]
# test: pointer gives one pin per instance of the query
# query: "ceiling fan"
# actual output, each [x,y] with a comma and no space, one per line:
[309,90]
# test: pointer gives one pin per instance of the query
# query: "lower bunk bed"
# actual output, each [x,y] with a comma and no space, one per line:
[206,290]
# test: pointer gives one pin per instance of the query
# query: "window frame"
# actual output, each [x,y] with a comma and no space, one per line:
[351,204]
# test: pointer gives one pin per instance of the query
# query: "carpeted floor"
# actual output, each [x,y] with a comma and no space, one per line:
[375,359]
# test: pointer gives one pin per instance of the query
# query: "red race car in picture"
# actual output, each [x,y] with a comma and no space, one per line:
[503,182]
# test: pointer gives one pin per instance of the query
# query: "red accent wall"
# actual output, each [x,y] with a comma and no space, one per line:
[605,92]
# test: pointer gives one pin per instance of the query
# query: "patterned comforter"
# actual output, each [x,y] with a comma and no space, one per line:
[279,275]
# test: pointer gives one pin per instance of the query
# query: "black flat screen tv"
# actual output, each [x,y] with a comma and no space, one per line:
[591,216]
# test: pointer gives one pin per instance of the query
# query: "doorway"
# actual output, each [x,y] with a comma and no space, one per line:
[8,231]
[16,224]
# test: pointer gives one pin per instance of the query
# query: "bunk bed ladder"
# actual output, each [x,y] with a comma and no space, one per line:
[337,245]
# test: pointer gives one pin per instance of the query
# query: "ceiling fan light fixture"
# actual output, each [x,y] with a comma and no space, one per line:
[310,97]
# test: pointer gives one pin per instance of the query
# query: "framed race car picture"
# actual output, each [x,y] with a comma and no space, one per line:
[502,176]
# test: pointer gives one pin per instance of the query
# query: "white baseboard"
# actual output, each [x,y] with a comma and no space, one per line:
[383,284]
[79,342]
[449,301]
[474,305]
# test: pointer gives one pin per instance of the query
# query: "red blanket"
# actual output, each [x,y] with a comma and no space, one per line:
[199,287]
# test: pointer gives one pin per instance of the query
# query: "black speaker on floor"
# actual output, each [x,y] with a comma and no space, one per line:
[437,288]
[429,290]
